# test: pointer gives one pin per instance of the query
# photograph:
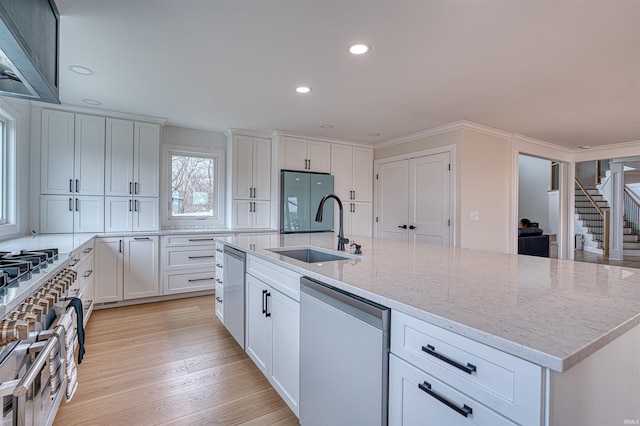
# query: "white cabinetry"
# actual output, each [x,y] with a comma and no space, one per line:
[251,214]
[220,281]
[132,176]
[82,263]
[439,377]
[127,268]
[305,154]
[188,263]
[273,326]
[72,174]
[352,168]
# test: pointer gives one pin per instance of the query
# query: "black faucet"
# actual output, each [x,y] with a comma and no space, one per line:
[341,239]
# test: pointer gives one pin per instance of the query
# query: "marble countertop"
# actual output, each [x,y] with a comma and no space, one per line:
[551,312]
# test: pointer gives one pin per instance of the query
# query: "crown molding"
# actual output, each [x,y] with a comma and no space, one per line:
[252,133]
[278,132]
[103,112]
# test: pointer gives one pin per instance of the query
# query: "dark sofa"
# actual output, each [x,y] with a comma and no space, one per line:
[532,242]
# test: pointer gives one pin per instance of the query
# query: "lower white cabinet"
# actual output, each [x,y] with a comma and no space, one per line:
[63,214]
[188,263]
[127,268]
[251,214]
[273,337]
[358,219]
[125,214]
[82,263]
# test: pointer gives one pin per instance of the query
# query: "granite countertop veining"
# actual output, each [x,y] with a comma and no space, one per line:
[551,312]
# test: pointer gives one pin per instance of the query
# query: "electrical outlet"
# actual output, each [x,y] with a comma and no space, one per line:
[475,215]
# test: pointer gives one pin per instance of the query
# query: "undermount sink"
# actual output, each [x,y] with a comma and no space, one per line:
[311,254]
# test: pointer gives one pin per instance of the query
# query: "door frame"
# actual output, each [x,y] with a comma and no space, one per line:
[451,149]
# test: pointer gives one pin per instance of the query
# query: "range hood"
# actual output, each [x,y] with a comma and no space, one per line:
[29,48]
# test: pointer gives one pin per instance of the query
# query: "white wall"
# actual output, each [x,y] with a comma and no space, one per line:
[534,183]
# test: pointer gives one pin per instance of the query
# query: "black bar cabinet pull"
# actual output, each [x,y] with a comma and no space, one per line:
[135,205]
[76,204]
[130,209]
[201,257]
[402,226]
[264,301]
[70,204]
[77,185]
[141,238]
[218,280]
[135,188]
[70,185]
[200,239]
[218,299]
[195,280]
[119,246]
[469,368]
[464,411]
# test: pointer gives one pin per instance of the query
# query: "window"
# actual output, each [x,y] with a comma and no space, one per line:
[193,186]
[8,199]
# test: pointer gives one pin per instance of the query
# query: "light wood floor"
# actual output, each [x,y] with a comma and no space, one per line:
[168,363]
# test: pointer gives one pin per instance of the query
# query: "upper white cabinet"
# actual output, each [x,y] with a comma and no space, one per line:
[352,168]
[72,156]
[132,158]
[251,168]
[66,214]
[305,154]
[137,214]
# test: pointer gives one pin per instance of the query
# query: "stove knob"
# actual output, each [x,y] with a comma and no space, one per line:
[29,318]
[35,310]
[22,329]
[8,331]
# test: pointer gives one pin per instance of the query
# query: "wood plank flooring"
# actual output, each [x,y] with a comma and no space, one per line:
[168,363]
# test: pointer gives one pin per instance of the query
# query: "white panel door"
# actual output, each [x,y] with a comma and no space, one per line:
[319,155]
[141,267]
[109,264]
[393,200]
[293,153]
[242,166]
[146,160]
[285,367]
[242,214]
[89,214]
[362,180]
[429,203]
[262,169]
[89,155]
[56,175]
[118,215]
[119,157]
[258,325]
[341,169]
[56,214]
[146,212]
[360,219]
[261,214]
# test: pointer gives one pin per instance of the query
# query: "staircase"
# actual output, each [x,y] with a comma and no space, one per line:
[592,221]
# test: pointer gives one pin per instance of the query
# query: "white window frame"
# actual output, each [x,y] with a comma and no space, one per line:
[174,222]
[9,204]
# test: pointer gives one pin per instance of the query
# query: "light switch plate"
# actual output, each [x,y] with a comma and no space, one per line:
[475,215]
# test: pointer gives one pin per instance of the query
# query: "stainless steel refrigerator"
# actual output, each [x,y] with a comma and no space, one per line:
[300,197]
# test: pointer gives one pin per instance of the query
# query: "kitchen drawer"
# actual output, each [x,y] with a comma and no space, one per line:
[281,279]
[410,404]
[219,301]
[185,282]
[83,252]
[87,302]
[219,248]
[187,257]
[507,384]
[219,275]
[84,269]
[189,240]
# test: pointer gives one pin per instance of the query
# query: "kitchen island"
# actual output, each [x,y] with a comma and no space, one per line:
[552,313]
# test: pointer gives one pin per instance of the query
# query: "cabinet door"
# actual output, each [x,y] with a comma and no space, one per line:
[118,216]
[293,153]
[362,177]
[109,265]
[261,214]
[242,214]
[242,166]
[141,267]
[258,325]
[285,374]
[56,175]
[319,155]
[119,157]
[56,214]
[360,219]
[262,169]
[89,155]
[89,214]
[146,155]
[146,214]
[341,169]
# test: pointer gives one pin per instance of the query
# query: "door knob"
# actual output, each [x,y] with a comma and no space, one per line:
[412,227]
[402,226]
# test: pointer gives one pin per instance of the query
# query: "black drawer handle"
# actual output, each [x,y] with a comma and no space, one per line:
[464,411]
[87,274]
[195,280]
[469,368]
[218,265]
[218,280]
[201,257]
[264,301]
[200,239]
[218,299]
[266,304]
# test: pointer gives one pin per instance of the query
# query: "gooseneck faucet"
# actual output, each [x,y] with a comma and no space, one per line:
[341,239]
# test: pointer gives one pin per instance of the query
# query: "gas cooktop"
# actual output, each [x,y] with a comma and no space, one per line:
[15,267]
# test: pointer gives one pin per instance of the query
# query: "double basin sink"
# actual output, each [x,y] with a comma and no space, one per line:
[312,254]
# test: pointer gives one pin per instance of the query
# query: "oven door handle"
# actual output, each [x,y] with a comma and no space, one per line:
[20,391]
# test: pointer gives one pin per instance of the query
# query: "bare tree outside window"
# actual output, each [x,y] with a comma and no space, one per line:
[192,186]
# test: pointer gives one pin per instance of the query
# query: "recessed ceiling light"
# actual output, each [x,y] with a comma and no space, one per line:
[327,126]
[303,89]
[91,102]
[79,69]
[374,134]
[359,49]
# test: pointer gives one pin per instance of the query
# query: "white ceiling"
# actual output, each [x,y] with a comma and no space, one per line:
[561,71]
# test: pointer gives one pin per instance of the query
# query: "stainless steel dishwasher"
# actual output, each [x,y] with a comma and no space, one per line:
[344,357]
[233,292]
